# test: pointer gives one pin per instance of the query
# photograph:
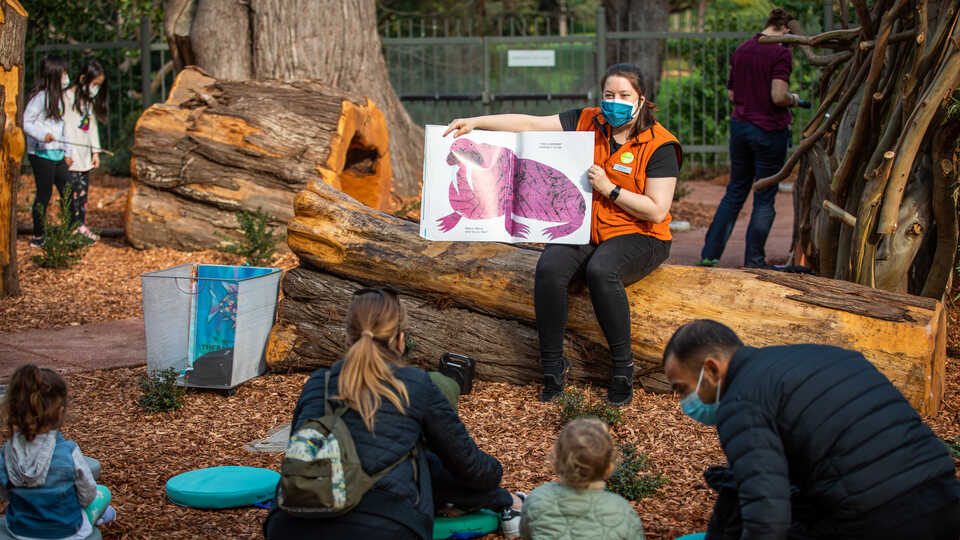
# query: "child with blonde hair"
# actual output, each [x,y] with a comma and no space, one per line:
[578,506]
[44,477]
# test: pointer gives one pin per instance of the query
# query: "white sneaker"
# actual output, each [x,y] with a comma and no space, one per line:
[109,515]
[510,519]
[84,230]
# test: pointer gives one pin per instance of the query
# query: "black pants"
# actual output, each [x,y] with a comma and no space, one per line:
[46,174]
[917,514]
[608,268]
[79,186]
[447,489]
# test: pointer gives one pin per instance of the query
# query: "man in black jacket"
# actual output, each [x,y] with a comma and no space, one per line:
[820,444]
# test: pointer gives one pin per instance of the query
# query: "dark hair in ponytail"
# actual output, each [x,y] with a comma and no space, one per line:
[375,320]
[91,70]
[633,74]
[35,400]
[48,80]
[779,19]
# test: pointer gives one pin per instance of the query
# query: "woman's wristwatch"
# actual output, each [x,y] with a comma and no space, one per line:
[614,193]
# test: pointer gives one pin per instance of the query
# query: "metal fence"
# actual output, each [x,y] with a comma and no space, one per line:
[448,68]
[441,70]
[129,79]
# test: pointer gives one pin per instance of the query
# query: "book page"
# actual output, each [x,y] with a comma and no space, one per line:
[507,187]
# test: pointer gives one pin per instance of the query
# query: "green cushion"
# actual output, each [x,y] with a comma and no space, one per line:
[466,526]
[223,487]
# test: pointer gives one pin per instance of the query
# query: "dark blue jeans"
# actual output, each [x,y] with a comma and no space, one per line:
[607,268]
[754,153]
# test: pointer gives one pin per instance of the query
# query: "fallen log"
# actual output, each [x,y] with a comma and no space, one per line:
[333,234]
[216,147]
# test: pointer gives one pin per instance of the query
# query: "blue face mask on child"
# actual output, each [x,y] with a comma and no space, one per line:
[619,112]
[694,407]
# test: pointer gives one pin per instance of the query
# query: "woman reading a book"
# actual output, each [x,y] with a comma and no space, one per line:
[636,163]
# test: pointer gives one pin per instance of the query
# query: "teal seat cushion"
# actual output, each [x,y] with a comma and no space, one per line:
[223,487]
[466,526]
[694,536]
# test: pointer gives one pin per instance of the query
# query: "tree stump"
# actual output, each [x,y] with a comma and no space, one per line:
[477,299]
[216,147]
[13,31]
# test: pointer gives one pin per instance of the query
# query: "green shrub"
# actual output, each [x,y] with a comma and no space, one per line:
[574,404]
[626,479]
[161,393]
[62,244]
[953,447]
[258,245]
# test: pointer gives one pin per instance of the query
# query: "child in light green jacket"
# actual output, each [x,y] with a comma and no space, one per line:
[578,506]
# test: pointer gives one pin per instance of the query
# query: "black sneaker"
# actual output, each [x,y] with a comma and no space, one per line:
[620,392]
[554,383]
[36,242]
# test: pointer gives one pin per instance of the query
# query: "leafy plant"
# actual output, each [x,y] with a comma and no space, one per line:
[626,479]
[953,447]
[258,244]
[574,404]
[161,393]
[62,245]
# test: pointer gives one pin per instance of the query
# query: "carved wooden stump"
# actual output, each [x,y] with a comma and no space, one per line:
[216,147]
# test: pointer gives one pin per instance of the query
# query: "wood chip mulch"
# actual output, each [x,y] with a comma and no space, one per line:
[141,451]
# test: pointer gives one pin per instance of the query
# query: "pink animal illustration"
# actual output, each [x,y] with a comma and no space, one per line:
[492,181]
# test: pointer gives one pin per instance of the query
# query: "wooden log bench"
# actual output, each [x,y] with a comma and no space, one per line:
[477,299]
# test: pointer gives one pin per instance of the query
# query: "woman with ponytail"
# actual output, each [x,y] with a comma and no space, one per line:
[394,408]
[636,163]
[46,480]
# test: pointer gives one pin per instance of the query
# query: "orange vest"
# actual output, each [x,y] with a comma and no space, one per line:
[627,169]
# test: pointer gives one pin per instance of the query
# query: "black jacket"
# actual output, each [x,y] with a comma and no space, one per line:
[429,418]
[826,421]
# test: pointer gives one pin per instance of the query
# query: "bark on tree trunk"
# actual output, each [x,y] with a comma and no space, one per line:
[647,54]
[13,31]
[335,42]
[215,147]
[491,285]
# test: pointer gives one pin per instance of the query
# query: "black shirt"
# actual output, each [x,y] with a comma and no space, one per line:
[662,164]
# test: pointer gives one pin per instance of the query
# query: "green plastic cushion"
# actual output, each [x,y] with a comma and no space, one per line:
[475,524]
[223,487]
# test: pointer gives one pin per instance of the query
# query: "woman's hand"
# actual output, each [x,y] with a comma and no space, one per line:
[49,138]
[599,181]
[96,160]
[461,126]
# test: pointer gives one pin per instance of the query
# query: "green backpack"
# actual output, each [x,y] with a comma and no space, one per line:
[321,476]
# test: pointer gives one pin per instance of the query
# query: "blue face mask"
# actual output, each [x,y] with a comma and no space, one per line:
[694,407]
[619,112]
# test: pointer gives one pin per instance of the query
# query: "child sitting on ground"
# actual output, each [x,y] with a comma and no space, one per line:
[47,481]
[578,506]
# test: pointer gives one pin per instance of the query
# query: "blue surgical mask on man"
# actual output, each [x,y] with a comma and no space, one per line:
[618,112]
[694,407]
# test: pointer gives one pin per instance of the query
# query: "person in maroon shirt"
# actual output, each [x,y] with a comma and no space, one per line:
[759,133]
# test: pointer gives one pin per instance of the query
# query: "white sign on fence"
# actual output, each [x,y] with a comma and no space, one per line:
[531,58]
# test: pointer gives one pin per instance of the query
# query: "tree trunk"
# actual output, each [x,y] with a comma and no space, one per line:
[647,54]
[491,285]
[335,42]
[13,31]
[888,172]
[215,147]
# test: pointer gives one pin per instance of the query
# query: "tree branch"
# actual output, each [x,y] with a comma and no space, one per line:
[944,83]
[839,213]
[944,212]
[863,14]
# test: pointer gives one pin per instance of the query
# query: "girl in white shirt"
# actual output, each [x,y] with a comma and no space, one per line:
[44,127]
[86,106]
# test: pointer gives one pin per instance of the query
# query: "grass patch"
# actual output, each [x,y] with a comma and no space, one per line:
[160,391]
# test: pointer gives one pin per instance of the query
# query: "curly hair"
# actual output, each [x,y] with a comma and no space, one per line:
[779,19]
[36,400]
[583,453]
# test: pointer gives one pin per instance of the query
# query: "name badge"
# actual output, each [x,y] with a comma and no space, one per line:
[622,168]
